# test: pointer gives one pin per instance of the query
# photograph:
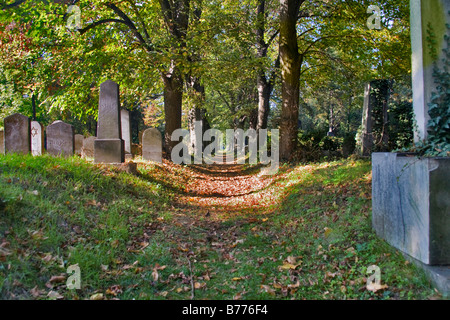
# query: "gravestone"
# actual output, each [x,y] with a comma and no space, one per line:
[375,115]
[17,134]
[109,146]
[410,194]
[2,142]
[60,139]
[152,145]
[126,132]
[79,139]
[37,139]
[87,151]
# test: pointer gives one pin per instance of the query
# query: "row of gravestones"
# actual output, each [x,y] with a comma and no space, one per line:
[24,136]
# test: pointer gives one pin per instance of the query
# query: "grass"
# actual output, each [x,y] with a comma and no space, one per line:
[133,237]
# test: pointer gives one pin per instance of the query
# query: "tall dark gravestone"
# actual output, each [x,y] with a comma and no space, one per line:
[109,146]
[17,134]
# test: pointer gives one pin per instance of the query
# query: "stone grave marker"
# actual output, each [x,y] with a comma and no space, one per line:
[37,139]
[60,139]
[410,194]
[126,129]
[17,134]
[79,139]
[126,132]
[109,146]
[152,145]
[87,151]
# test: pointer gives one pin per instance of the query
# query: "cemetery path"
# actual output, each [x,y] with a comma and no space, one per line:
[224,190]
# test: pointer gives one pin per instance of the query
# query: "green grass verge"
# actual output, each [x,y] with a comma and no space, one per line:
[129,240]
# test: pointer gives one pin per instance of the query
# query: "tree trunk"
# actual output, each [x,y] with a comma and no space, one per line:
[197,112]
[367,123]
[290,60]
[173,99]
[264,91]
[265,85]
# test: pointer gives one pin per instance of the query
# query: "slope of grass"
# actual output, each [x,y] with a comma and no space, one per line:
[132,237]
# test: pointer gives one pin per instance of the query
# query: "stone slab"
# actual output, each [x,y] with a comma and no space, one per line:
[79,139]
[109,151]
[60,139]
[109,124]
[37,139]
[439,276]
[87,151]
[126,129]
[152,145]
[411,205]
[17,134]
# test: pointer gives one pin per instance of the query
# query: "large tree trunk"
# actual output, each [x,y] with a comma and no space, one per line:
[265,85]
[290,60]
[173,100]
[176,17]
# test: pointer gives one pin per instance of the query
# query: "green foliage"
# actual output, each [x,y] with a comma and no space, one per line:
[438,143]
[401,132]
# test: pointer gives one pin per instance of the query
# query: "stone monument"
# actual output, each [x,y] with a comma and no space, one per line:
[17,134]
[109,146]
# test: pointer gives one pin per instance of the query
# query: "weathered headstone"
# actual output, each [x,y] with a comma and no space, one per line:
[37,139]
[2,142]
[87,151]
[411,206]
[152,145]
[410,194]
[375,115]
[60,139]
[126,132]
[109,146]
[17,134]
[79,139]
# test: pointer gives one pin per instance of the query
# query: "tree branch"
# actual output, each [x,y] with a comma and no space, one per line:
[93,25]
[12,5]
[129,23]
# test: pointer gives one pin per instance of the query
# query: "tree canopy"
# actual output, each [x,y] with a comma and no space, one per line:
[223,57]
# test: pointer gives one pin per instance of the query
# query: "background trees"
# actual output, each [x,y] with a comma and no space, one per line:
[290,64]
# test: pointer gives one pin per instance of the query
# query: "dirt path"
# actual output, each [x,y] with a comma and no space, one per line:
[224,190]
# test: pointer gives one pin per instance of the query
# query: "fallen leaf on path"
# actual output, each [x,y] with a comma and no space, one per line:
[374,287]
[57,279]
[268,289]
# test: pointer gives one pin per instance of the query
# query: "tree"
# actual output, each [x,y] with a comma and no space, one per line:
[290,62]
[265,83]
